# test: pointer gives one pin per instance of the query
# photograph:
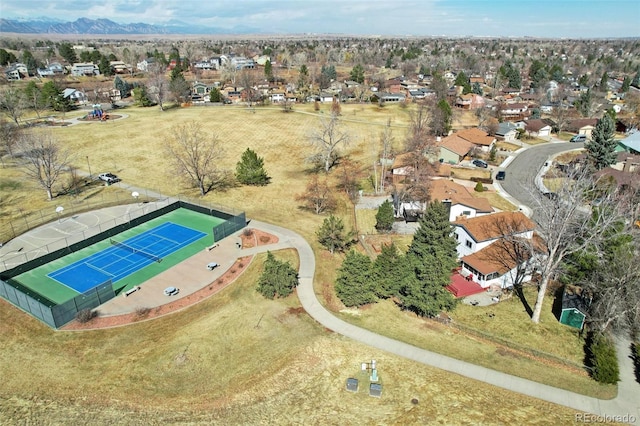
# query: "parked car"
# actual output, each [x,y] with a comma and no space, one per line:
[480,163]
[501,175]
[171,291]
[108,177]
[578,138]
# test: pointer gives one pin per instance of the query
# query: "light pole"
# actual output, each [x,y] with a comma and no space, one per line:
[59,210]
[89,166]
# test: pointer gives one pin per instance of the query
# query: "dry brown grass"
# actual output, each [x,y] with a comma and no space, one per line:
[287,369]
[233,359]
[496,201]
[466,173]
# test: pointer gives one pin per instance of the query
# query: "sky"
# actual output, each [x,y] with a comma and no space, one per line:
[517,18]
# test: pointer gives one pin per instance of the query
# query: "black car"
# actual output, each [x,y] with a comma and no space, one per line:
[501,175]
[480,163]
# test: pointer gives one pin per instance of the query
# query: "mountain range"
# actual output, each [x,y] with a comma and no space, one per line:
[106,26]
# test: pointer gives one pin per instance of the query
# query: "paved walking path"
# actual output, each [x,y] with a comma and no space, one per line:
[626,403]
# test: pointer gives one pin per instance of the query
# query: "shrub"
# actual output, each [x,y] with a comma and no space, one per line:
[479,187]
[85,315]
[142,311]
[247,232]
[602,359]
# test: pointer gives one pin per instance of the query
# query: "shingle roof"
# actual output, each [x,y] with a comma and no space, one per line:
[475,135]
[444,189]
[536,125]
[492,226]
[456,145]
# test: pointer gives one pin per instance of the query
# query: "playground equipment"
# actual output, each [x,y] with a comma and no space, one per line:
[98,113]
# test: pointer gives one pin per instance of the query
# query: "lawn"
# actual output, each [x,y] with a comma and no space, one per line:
[235,359]
[288,366]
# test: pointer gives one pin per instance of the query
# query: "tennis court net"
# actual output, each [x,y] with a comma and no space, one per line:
[135,250]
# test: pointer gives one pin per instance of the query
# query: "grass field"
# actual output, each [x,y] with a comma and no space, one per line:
[211,361]
[234,359]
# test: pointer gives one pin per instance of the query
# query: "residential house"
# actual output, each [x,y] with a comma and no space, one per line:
[624,172]
[145,64]
[402,168]
[391,97]
[479,138]
[200,89]
[278,95]
[76,96]
[54,68]
[507,131]
[453,149]
[481,250]
[17,71]
[538,128]
[459,199]
[582,126]
[80,69]
[120,67]
[470,101]
[630,144]
[516,110]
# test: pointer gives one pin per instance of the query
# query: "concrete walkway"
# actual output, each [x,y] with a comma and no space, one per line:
[627,403]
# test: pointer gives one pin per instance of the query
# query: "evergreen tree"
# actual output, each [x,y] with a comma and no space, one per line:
[7,58]
[357,74]
[250,169]
[104,66]
[354,286]
[429,262]
[603,82]
[463,81]
[333,235]
[387,271]
[141,96]
[215,95]
[268,70]
[122,86]
[625,84]
[278,278]
[476,88]
[385,217]
[66,51]
[601,149]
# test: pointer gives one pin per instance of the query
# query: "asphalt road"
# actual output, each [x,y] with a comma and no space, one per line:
[522,170]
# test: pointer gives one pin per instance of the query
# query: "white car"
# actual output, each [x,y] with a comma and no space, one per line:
[171,291]
[108,177]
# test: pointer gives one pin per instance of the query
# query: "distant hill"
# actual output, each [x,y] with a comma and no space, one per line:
[106,26]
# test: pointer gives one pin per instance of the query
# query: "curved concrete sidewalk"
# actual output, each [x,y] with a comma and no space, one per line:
[626,403]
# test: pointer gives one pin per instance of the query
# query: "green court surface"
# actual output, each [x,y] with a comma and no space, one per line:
[38,281]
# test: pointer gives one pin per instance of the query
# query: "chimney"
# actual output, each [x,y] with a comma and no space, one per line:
[626,168]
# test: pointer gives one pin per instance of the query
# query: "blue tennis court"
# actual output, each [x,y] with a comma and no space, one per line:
[124,258]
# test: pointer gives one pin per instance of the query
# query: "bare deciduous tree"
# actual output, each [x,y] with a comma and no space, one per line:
[568,225]
[382,154]
[158,84]
[317,197]
[419,128]
[13,103]
[196,155]
[327,139]
[45,159]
